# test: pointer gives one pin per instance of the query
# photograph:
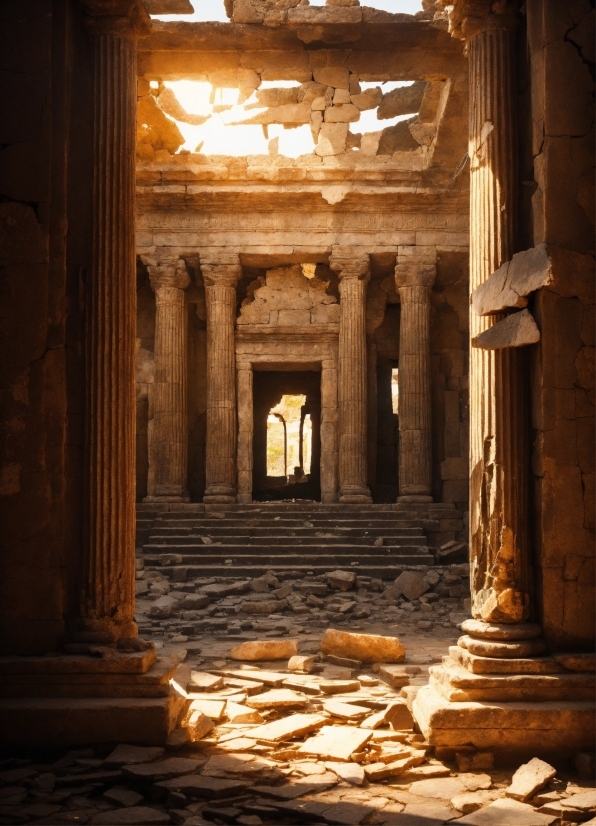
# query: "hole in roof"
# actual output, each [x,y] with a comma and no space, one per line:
[214,11]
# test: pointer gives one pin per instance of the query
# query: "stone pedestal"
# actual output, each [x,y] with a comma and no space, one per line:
[221,271]
[353,269]
[169,447]
[415,273]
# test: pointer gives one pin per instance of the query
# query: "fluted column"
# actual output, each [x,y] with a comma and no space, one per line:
[353,269]
[499,454]
[108,567]
[169,278]
[221,271]
[415,273]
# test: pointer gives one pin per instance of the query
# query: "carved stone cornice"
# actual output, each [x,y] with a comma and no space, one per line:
[350,262]
[123,18]
[169,271]
[467,18]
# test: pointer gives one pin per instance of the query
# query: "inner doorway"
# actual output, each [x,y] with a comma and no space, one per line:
[287,437]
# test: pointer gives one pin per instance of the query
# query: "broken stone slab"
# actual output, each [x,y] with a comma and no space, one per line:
[211,788]
[506,812]
[219,590]
[199,725]
[380,771]
[194,602]
[364,647]
[509,285]
[339,686]
[285,729]
[411,584]
[336,742]
[214,709]
[124,755]
[277,698]
[399,716]
[123,796]
[238,713]
[394,675]
[162,608]
[584,802]
[162,769]
[133,816]
[302,664]
[317,783]
[345,711]
[517,330]
[201,681]
[529,779]
[262,607]
[248,686]
[268,650]
[269,678]
[343,662]
[350,772]
[341,580]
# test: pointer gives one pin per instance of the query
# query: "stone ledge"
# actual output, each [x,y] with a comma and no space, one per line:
[59,723]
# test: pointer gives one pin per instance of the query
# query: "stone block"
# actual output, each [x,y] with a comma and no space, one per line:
[364,647]
[341,580]
[508,286]
[332,139]
[411,584]
[347,113]
[256,650]
[517,330]
[529,779]
[336,76]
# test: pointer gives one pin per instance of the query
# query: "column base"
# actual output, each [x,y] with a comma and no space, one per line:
[355,495]
[513,731]
[244,498]
[220,495]
[413,498]
[70,700]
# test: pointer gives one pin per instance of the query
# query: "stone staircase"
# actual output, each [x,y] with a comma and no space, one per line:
[294,540]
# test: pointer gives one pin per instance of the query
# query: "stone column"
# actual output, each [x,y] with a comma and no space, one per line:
[221,271]
[415,273]
[328,431]
[353,269]
[169,278]
[499,457]
[107,592]
[245,432]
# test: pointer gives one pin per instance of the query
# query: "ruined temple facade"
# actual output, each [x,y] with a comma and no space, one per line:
[347,260]
[413,194]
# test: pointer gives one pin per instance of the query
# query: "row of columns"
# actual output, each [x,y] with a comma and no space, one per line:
[414,274]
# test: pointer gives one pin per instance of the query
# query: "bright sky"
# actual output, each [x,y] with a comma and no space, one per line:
[214,9]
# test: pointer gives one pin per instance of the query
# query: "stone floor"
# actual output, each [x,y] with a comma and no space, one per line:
[235,773]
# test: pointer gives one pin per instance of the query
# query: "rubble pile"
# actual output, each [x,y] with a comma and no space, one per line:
[320,739]
[425,599]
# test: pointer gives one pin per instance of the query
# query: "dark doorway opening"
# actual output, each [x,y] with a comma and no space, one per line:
[286,436]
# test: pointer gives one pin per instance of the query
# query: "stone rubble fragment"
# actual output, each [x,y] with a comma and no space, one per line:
[529,779]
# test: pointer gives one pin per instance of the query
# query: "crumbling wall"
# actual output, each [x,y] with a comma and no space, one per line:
[46,174]
[285,295]
[561,49]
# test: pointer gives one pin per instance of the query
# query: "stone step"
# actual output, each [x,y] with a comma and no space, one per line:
[355,551]
[302,539]
[385,525]
[286,570]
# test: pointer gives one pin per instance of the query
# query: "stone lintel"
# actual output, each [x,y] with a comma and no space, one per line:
[516,330]
[509,286]
[123,18]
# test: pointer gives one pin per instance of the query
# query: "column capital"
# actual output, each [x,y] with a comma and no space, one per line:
[467,18]
[166,271]
[350,262]
[416,267]
[220,267]
[123,18]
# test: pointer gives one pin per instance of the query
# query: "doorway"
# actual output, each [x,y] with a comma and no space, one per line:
[287,437]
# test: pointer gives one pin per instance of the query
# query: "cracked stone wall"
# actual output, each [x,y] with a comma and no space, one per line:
[45,240]
[561,214]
